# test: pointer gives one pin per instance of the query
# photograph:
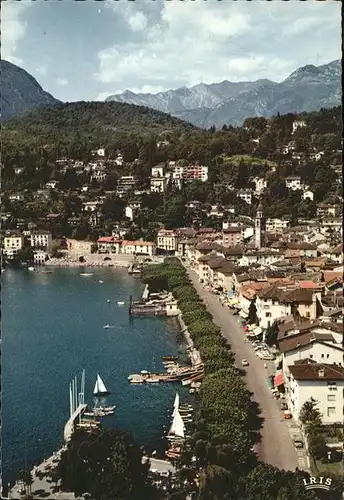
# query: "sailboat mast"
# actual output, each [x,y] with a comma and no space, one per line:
[70,400]
[75,393]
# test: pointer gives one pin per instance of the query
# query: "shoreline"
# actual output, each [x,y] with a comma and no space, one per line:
[76,264]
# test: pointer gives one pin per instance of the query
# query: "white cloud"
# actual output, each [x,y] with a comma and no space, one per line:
[128,10]
[61,81]
[42,70]
[13,28]
[213,41]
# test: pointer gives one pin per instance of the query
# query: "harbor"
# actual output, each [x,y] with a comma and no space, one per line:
[45,299]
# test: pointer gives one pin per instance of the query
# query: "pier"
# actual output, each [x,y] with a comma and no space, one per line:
[71,422]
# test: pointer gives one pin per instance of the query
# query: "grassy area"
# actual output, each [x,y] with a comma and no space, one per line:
[333,469]
[248,159]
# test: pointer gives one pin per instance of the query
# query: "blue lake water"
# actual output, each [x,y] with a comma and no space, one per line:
[52,328]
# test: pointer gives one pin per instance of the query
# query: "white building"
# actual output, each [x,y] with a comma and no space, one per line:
[12,244]
[39,257]
[260,185]
[270,306]
[319,347]
[138,247]
[323,382]
[245,195]
[293,182]
[157,184]
[189,173]
[308,195]
[276,225]
[41,240]
[167,240]
[297,124]
[91,206]
[157,171]
[125,184]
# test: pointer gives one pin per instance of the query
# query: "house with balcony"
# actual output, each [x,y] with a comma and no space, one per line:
[324,382]
[41,240]
[124,184]
[167,241]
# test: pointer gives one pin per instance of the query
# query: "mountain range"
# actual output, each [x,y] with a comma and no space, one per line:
[20,92]
[308,88]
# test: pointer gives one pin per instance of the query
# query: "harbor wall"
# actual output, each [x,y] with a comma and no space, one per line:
[194,355]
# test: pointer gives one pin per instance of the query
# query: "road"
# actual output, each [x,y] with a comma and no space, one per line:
[276,447]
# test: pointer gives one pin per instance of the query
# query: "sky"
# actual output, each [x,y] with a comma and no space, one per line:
[89,49]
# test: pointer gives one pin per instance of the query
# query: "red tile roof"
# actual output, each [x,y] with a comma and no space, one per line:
[137,243]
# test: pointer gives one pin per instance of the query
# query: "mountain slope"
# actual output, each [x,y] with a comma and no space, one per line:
[307,89]
[89,121]
[20,92]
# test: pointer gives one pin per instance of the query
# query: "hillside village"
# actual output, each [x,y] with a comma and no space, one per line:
[281,273]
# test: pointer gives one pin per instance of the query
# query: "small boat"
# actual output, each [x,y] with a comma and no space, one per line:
[170,358]
[99,388]
[108,301]
[120,303]
[101,281]
[31,268]
[106,327]
[152,380]
[86,274]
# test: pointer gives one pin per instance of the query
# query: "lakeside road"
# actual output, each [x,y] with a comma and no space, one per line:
[276,447]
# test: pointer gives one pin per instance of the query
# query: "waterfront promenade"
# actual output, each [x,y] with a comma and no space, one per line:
[276,447]
[43,486]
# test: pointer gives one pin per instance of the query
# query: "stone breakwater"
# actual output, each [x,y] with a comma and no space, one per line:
[87,263]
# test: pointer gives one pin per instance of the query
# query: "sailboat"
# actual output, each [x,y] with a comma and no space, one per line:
[99,388]
[177,428]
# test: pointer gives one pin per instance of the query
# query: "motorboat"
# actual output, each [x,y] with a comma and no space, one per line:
[120,303]
[31,268]
[86,274]
[108,301]
[106,327]
[101,282]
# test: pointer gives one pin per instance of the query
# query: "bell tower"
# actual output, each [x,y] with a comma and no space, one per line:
[258,226]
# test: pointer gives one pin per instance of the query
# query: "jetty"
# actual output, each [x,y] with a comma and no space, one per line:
[72,422]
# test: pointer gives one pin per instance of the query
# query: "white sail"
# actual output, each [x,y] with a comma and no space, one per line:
[96,390]
[100,388]
[177,427]
[175,404]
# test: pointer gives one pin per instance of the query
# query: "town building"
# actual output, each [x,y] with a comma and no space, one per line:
[293,182]
[138,247]
[125,184]
[232,236]
[298,124]
[13,242]
[167,240]
[189,173]
[41,240]
[245,195]
[323,382]
[308,195]
[276,225]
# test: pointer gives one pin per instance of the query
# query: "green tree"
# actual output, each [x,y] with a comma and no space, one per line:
[310,415]
[107,464]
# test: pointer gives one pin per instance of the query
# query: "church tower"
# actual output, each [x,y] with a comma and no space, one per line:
[258,226]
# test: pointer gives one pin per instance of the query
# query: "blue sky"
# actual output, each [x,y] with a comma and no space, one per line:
[88,49]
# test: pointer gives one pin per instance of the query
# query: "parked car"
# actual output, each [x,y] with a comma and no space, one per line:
[298,443]
[244,362]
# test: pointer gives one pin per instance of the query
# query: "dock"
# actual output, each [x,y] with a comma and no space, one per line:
[70,425]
